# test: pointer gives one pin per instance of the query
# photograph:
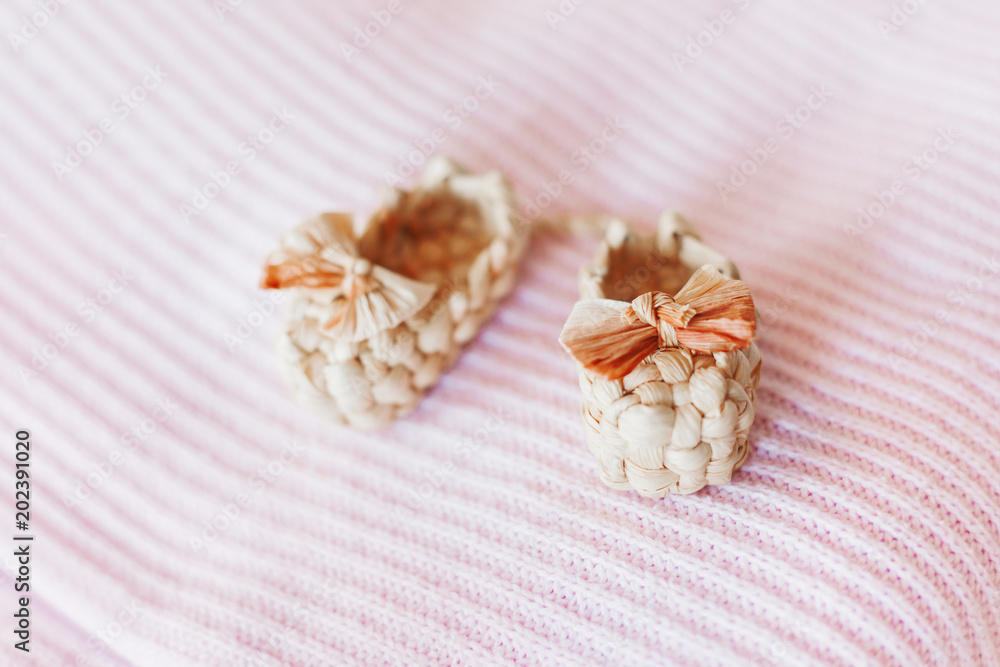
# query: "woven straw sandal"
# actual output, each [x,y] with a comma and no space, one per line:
[663,336]
[375,318]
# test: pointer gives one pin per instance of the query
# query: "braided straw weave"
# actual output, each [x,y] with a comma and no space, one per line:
[668,395]
[375,320]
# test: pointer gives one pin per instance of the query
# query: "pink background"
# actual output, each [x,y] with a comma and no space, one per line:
[862,532]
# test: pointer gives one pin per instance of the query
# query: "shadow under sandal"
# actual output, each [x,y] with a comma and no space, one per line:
[375,318]
[663,335]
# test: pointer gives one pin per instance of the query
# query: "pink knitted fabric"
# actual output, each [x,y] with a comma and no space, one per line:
[186,512]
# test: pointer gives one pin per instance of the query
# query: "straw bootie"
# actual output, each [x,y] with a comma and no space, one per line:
[378,314]
[663,335]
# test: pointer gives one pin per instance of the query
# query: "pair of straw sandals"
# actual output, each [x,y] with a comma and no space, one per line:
[663,333]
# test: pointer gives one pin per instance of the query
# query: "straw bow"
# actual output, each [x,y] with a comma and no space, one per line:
[371,298]
[709,314]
